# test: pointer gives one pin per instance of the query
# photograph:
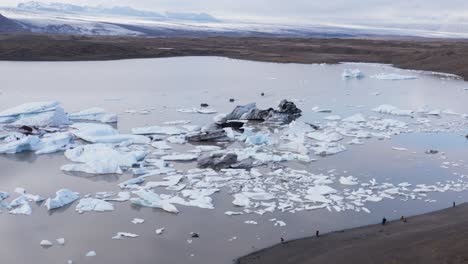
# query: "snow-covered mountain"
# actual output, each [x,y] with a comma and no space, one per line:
[60,18]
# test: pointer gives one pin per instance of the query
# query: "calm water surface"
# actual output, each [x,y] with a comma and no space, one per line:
[164,85]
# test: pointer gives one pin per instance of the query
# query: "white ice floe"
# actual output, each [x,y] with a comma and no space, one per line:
[91,254]
[92,204]
[161,145]
[393,76]
[230,213]
[20,206]
[60,241]
[102,133]
[38,114]
[325,136]
[333,118]
[159,231]
[392,110]
[164,130]
[350,180]
[137,221]
[356,118]
[251,222]
[317,109]
[151,199]
[169,181]
[30,108]
[46,243]
[180,157]
[328,148]
[200,110]
[63,197]
[352,73]
[100,159]
[399,148]
[122,235]
[94,114]
[28,143]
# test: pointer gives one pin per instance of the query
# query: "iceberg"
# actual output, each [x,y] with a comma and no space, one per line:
[92,204]
[63,197]
[350,180]
[100,159]
[121,235]
[28,143]
[352,73]
[393,76]
[327,148]
[30,108]
[392,110]
[94,114]
[151,199]
[325,136]
[54,118]
[102,133]
[165,130]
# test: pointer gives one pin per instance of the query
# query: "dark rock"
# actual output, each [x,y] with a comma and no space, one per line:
[262,94]
[204,105]
[194,235]
[432,151]
[231,100]
[209,135]
[285,113]
[217,161]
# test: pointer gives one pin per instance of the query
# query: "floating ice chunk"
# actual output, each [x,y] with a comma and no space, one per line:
[121,235]
[132,182]
[92,204]
[392,110]
[164,130]
[160,231]
[121,197]
[435,112]
[151,199]
[169,181]
[161,145]
[294,146]
[230,213]
[350,180]
[317,193]
[20,206]
[321,110]
[28,143]
[327,148]
[94,114]
[91,254]
[352,73]
[258,139]
[137,221]
[450,112]
[333,118]
[325,136]
[393,76]
[355,142]
[177,122]
[54,118]
[60,241]
[46,243]
[357,118]
[279,223]
[251,222]
[30,108]
[4,195]
[52,143]
[205,110]
[102,133]
[259,195]
[179,157]
[399,148]
[100,159]
[63,197]
[241,200]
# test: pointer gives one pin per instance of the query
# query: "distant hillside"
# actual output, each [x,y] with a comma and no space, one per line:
[10,26]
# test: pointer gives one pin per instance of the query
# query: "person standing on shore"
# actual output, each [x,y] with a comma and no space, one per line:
[384,221]
[317,233]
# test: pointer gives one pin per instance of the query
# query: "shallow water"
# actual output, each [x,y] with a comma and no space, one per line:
[164,85]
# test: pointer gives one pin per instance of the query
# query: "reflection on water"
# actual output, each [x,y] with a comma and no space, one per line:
[164,85]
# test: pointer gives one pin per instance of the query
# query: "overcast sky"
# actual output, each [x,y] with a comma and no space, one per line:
[330,10]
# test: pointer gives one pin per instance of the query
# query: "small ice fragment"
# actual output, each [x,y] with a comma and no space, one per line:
[399,148]
[121,235]
[91,254]
[233,213]
[393,76]
[352,73]
[92,204]
[60,241]
[46,243]
[138,221]
[251,222]
[160,231]
[63,197]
